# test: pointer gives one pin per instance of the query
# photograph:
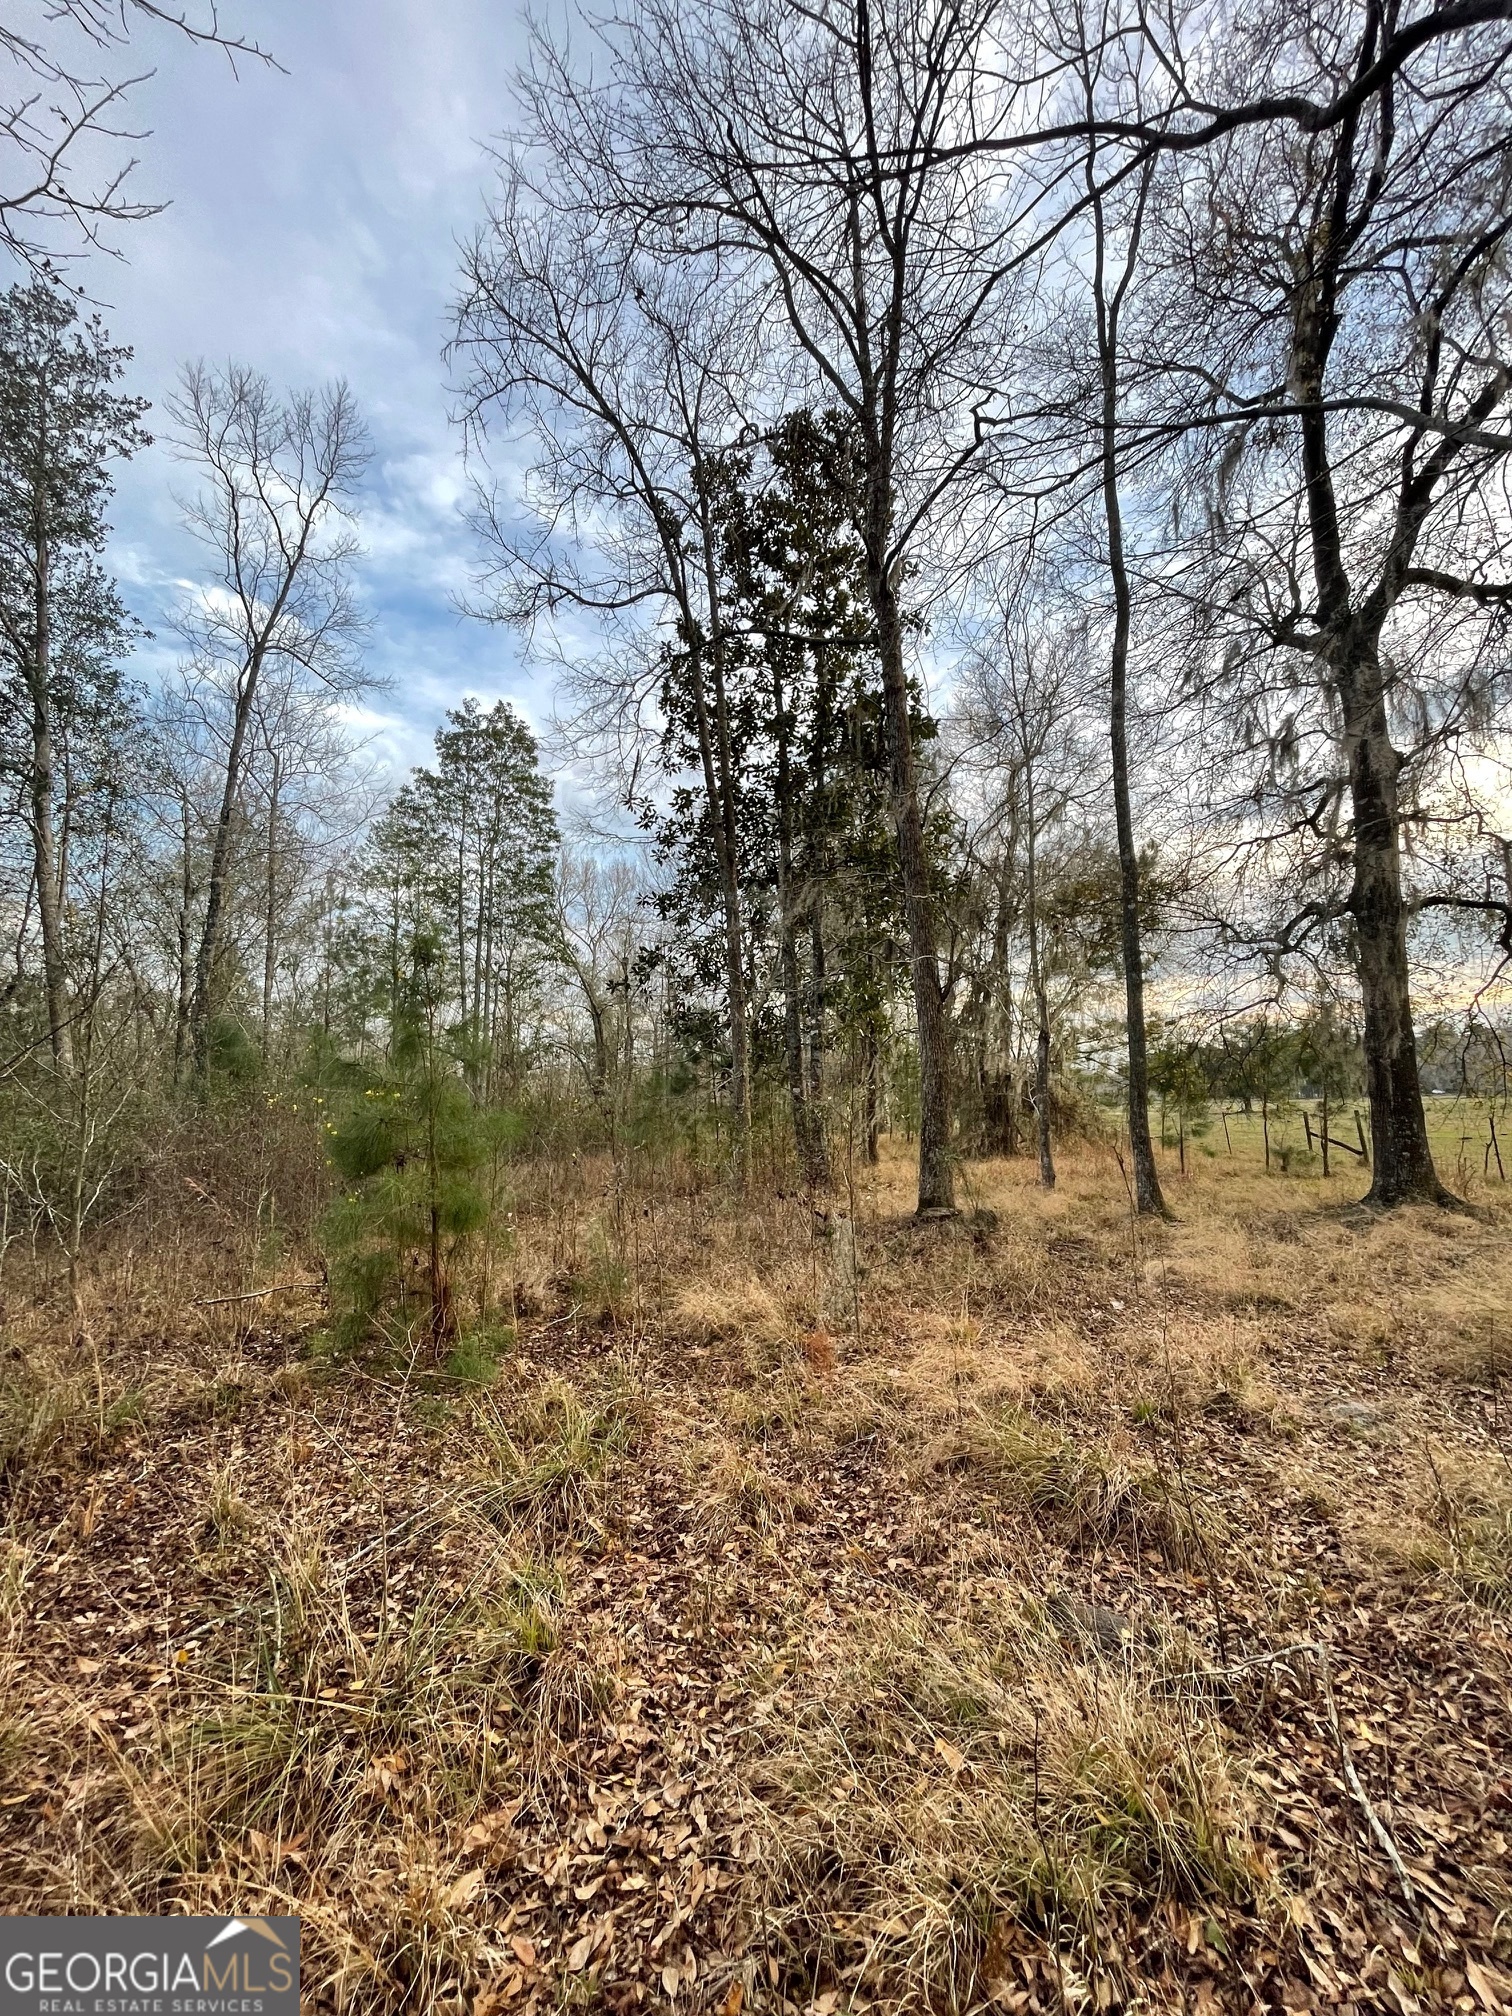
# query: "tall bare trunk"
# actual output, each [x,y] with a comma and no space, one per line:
[44,833]
[808,1122]
[717,792]
[1402,1162]
[716,750]
[871,1091]
[270,910]
[220,871]
[792,1050]
[185,989]
[936,1170]
[1147,1192]
[813,1002]
[1041,1003]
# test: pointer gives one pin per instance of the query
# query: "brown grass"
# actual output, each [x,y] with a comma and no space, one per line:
[948,1642]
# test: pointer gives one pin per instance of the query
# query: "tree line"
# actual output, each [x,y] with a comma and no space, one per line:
[1014,503]
[1178,345]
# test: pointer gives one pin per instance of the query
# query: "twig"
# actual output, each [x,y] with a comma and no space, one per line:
[557,1321]
[1373,1819]
[252,1294]
[1213,1676]
[1376,1824]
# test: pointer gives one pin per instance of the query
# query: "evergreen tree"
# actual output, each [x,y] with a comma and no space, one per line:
[816,847]
[63,625]
[410,1145]
[464,859]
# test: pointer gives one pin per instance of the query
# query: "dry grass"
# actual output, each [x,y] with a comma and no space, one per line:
[749,1638]
[548,1461]
[1459,1532]
[947,1788]
[743,1309]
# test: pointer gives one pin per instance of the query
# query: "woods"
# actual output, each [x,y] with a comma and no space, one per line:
[843,354]
[758,1259]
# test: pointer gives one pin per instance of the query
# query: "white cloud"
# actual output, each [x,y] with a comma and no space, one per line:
[313,235]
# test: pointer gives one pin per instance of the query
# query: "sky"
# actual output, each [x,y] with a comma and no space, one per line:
[312,229]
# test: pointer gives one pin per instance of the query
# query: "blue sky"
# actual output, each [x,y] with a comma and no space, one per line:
[312,233]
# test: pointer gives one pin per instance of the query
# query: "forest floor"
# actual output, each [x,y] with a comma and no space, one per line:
[1048,1612]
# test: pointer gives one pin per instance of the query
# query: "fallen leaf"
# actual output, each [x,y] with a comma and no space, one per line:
[464,1887]
[1480,1981]
[954,1760]
[734,1996]
[581,1953]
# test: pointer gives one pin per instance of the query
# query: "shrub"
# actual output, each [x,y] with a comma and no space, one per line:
[411,1145]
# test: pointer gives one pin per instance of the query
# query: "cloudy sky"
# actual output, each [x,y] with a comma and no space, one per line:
[311,232]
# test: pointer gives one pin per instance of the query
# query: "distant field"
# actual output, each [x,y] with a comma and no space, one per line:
[1459,1129]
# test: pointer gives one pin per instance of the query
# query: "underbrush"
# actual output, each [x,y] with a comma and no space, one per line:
[548,1461]
[936,1586]
[316,1716]
[1461,1532]
[329,1744]
[946,1792]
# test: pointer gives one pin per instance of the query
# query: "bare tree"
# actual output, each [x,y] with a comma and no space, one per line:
[805,151]
[1021,713]
[1339,306]
[313,792]
[275,509]
[59,106]
[600,920]
[621,371]
[1113,274]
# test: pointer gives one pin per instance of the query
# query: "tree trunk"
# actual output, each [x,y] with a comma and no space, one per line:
[814,1033]
[185,991]
[442,1319]
[466,1003]
[1403,1166]
[1041,1004]
[871,1092]
[717,790]
[792,1048]
[1403,1170]
[220,869]
[44,836]
[601,1068]
[1147,1193]
[717,754]
[936,1172]
[808,1130]
[820,868]
[270,912]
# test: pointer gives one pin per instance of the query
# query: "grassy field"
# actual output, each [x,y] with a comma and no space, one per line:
[1039,1611]
[1471,1139]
